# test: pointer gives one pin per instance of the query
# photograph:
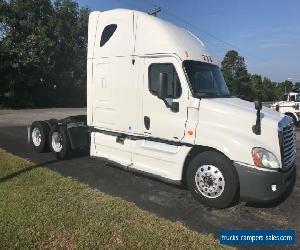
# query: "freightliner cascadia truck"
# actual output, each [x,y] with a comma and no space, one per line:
[157,104]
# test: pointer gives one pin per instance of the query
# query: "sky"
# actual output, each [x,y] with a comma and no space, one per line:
[265,32]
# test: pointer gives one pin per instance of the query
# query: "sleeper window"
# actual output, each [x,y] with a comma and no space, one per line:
[107,33]
[174,87]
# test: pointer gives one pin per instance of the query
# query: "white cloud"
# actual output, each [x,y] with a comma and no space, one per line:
[272,45]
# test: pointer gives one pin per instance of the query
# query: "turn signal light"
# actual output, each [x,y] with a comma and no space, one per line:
[256,158]
[190,132]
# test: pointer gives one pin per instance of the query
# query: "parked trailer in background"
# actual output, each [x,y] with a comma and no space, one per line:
[157,104]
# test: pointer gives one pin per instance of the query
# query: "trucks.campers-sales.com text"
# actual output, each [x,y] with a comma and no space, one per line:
[257,236]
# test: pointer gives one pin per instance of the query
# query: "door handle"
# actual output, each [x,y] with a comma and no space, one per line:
[147,122]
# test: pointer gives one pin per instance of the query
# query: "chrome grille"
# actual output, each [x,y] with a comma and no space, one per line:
[287,137]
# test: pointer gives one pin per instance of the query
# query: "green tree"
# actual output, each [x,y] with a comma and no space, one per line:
[282,88]
[42,53]
[263,87]
[247,86]
[24,48]
[278,91]
[269,90]
[236,75]
[287,86]
[257,84]
[297,84]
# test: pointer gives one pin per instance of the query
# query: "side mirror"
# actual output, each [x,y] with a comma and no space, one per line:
[258,105]
[257,127]
[163,86]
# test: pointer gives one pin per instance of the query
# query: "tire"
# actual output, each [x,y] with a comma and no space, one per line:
[59,142]
[39,134]
[213,180]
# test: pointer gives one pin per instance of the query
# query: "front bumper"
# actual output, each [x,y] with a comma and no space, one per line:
[256,185]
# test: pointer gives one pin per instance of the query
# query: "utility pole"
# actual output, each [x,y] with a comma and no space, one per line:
[154,11]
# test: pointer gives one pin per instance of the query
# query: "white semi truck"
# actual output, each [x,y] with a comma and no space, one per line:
[289,106]
[157,104]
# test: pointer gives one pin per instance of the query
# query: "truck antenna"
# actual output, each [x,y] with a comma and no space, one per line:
[154,11]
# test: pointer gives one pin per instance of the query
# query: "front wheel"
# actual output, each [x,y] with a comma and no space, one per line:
[59,142]
[213,180]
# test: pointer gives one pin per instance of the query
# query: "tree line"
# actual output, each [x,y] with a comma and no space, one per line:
[251,86]
[43,47]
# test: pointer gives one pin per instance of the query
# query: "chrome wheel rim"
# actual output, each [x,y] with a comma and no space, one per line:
[36,137]
[210,181]
[56,142]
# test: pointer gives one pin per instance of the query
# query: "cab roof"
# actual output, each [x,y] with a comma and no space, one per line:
[139,33]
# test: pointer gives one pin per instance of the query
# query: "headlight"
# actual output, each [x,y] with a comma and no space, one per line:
[264,158]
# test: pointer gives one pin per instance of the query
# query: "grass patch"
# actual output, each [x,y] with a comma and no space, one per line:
[41,209]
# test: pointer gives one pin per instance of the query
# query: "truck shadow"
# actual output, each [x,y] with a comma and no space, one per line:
[75,154]
[26,170]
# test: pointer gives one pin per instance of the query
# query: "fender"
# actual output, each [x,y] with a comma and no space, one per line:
[235,144]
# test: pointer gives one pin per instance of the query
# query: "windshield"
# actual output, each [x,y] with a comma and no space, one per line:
[206,79]
[294,98]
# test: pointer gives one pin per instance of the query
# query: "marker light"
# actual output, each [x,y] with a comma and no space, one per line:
[264,158]
[186,54]
[190,132]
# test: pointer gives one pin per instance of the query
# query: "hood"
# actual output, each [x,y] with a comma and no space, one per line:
[240,111]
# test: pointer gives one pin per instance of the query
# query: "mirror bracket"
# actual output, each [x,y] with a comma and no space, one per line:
[174,106]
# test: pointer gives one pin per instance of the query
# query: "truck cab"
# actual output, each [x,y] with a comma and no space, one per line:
[289,106]
[157,104]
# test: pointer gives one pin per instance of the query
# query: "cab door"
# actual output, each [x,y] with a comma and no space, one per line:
[159,118]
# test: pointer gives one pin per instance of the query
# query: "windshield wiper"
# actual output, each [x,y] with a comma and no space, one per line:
[225,96]
[211,95]
[206,94]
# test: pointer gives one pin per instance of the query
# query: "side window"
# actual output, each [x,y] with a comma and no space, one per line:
[107,33]
[174,86]
[292,98]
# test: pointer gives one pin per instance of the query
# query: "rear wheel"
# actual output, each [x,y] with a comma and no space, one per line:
[213,180]
[39,132]
[59,142]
